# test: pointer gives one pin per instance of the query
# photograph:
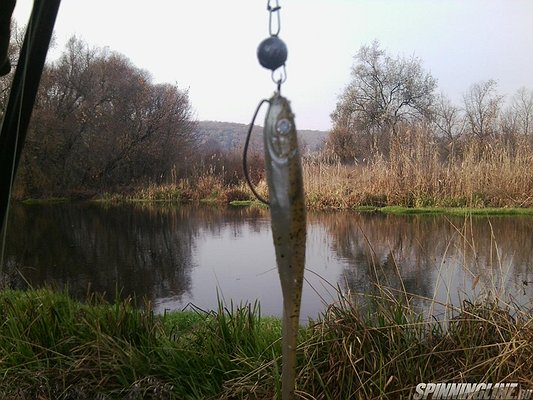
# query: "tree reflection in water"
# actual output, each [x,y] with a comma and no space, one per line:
[138,250]
[178,254]
[434,257]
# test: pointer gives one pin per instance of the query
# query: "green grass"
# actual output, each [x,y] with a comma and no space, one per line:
[366,209]
[461,211]
[53,347]
[240,203]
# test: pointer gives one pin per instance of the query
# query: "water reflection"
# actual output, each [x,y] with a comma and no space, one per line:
[181,255]
[435,257]
[145,251]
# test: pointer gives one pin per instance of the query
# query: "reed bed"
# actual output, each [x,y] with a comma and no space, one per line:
[415,175]
[53,347]
[473,173]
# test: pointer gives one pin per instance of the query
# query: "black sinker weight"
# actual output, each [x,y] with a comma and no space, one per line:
[272,53]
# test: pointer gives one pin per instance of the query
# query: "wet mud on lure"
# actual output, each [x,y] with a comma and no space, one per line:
[286,199]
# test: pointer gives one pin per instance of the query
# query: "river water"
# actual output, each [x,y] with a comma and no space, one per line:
[178,256]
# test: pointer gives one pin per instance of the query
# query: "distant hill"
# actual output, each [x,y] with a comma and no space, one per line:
[228,136]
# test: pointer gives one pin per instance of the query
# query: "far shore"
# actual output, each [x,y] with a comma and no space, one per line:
[399,210]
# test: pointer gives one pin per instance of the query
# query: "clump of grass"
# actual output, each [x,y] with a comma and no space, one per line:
[361,354]
[382,348]
[486,342]
[108,197]
[166,192]
[236,194]
[53,347]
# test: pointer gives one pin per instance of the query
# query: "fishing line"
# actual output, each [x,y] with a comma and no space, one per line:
[272,54]
[267,271]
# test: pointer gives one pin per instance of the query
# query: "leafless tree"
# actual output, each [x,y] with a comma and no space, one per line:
[448,118]
[482,107]
[448,124]
[384,92]
[13,51]
[522,109]
[516,121]
[100,122]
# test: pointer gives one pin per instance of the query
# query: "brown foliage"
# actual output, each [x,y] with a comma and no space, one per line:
[476,173]
[99,122]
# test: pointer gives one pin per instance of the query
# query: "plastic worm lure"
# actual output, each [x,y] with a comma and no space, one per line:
[288,218]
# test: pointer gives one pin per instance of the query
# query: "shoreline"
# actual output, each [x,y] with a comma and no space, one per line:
[397,210]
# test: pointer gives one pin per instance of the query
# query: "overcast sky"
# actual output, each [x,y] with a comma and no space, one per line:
[209,46]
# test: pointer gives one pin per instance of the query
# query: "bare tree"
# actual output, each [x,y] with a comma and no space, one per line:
[100,122]
[448,118]
[482,107]
[15,45]
[383,92]
[448,125]
[346,145]
[522,108]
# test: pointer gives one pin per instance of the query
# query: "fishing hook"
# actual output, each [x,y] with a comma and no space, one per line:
[245,154]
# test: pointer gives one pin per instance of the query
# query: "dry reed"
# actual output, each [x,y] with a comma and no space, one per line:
[484,174]
[418,172]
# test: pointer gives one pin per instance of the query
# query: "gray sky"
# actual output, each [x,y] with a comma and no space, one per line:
[209,46]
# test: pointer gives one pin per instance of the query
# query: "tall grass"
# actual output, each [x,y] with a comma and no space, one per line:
[418,172]
[481,174]
[52,347]
[383,349]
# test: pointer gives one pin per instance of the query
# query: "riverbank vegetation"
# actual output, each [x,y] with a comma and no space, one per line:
[102,129]
[484,177]
[53,347]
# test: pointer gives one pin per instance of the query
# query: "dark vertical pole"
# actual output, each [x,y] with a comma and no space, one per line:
[6,10]
[23,92]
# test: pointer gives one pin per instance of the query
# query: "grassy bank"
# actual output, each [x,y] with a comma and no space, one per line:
[416,174]
[52,347]
[320,197]
[461,211]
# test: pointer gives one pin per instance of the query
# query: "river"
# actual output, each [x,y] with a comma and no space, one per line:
[185,256]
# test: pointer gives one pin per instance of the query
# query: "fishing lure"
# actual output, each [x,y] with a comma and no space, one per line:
[286,201]
[288,216]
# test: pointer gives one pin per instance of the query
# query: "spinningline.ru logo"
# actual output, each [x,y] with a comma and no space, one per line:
[501,391]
